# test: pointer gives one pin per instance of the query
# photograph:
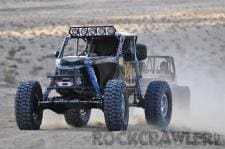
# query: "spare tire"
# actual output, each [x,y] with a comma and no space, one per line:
[141,51]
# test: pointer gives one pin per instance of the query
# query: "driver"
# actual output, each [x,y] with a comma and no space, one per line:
[92,48]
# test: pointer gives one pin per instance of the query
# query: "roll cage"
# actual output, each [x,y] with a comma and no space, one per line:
[121,40]
[126,41]
[152,65]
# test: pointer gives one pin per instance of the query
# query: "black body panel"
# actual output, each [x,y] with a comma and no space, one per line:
[105,72]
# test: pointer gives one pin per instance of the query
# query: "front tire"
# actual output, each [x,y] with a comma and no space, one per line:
[28,114]
[77,117]
[115,105]
[158,104]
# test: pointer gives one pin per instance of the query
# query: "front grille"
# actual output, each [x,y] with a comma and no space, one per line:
[73,72]
[69,78]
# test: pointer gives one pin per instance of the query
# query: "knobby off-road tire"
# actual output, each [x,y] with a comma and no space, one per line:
[28,114]
[77,117]
[115,105]
[141,51]
[158,104]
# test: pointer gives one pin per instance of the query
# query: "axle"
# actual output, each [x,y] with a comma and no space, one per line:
[70,103]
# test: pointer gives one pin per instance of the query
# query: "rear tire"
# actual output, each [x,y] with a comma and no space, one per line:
[158,104]
[28,114]
[115,105]
[77,117]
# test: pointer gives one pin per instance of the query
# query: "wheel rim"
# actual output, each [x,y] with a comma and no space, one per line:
[123,108]
[164,105]
[36,111]
[83,112]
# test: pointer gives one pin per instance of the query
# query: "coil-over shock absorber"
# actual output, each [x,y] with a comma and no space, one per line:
[92,77]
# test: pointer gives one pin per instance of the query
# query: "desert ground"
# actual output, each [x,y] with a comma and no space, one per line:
[191,31]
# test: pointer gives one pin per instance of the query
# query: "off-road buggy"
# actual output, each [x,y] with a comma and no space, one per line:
[103,71]
[163,68]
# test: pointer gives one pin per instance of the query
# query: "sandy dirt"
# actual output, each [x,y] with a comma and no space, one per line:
[193,32]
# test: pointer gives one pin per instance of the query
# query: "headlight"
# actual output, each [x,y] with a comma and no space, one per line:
[111,30]
[75,32]
[78,81]
[83,31]
[92,31]
[101,31]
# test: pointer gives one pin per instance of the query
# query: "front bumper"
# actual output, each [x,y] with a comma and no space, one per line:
[70,103]
[66,82]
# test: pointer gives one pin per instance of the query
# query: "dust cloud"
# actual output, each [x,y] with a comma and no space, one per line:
[52,120]
[199,58]
[207,111]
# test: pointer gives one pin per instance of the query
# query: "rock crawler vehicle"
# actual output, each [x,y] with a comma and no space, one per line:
[96,67]
[163,68]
